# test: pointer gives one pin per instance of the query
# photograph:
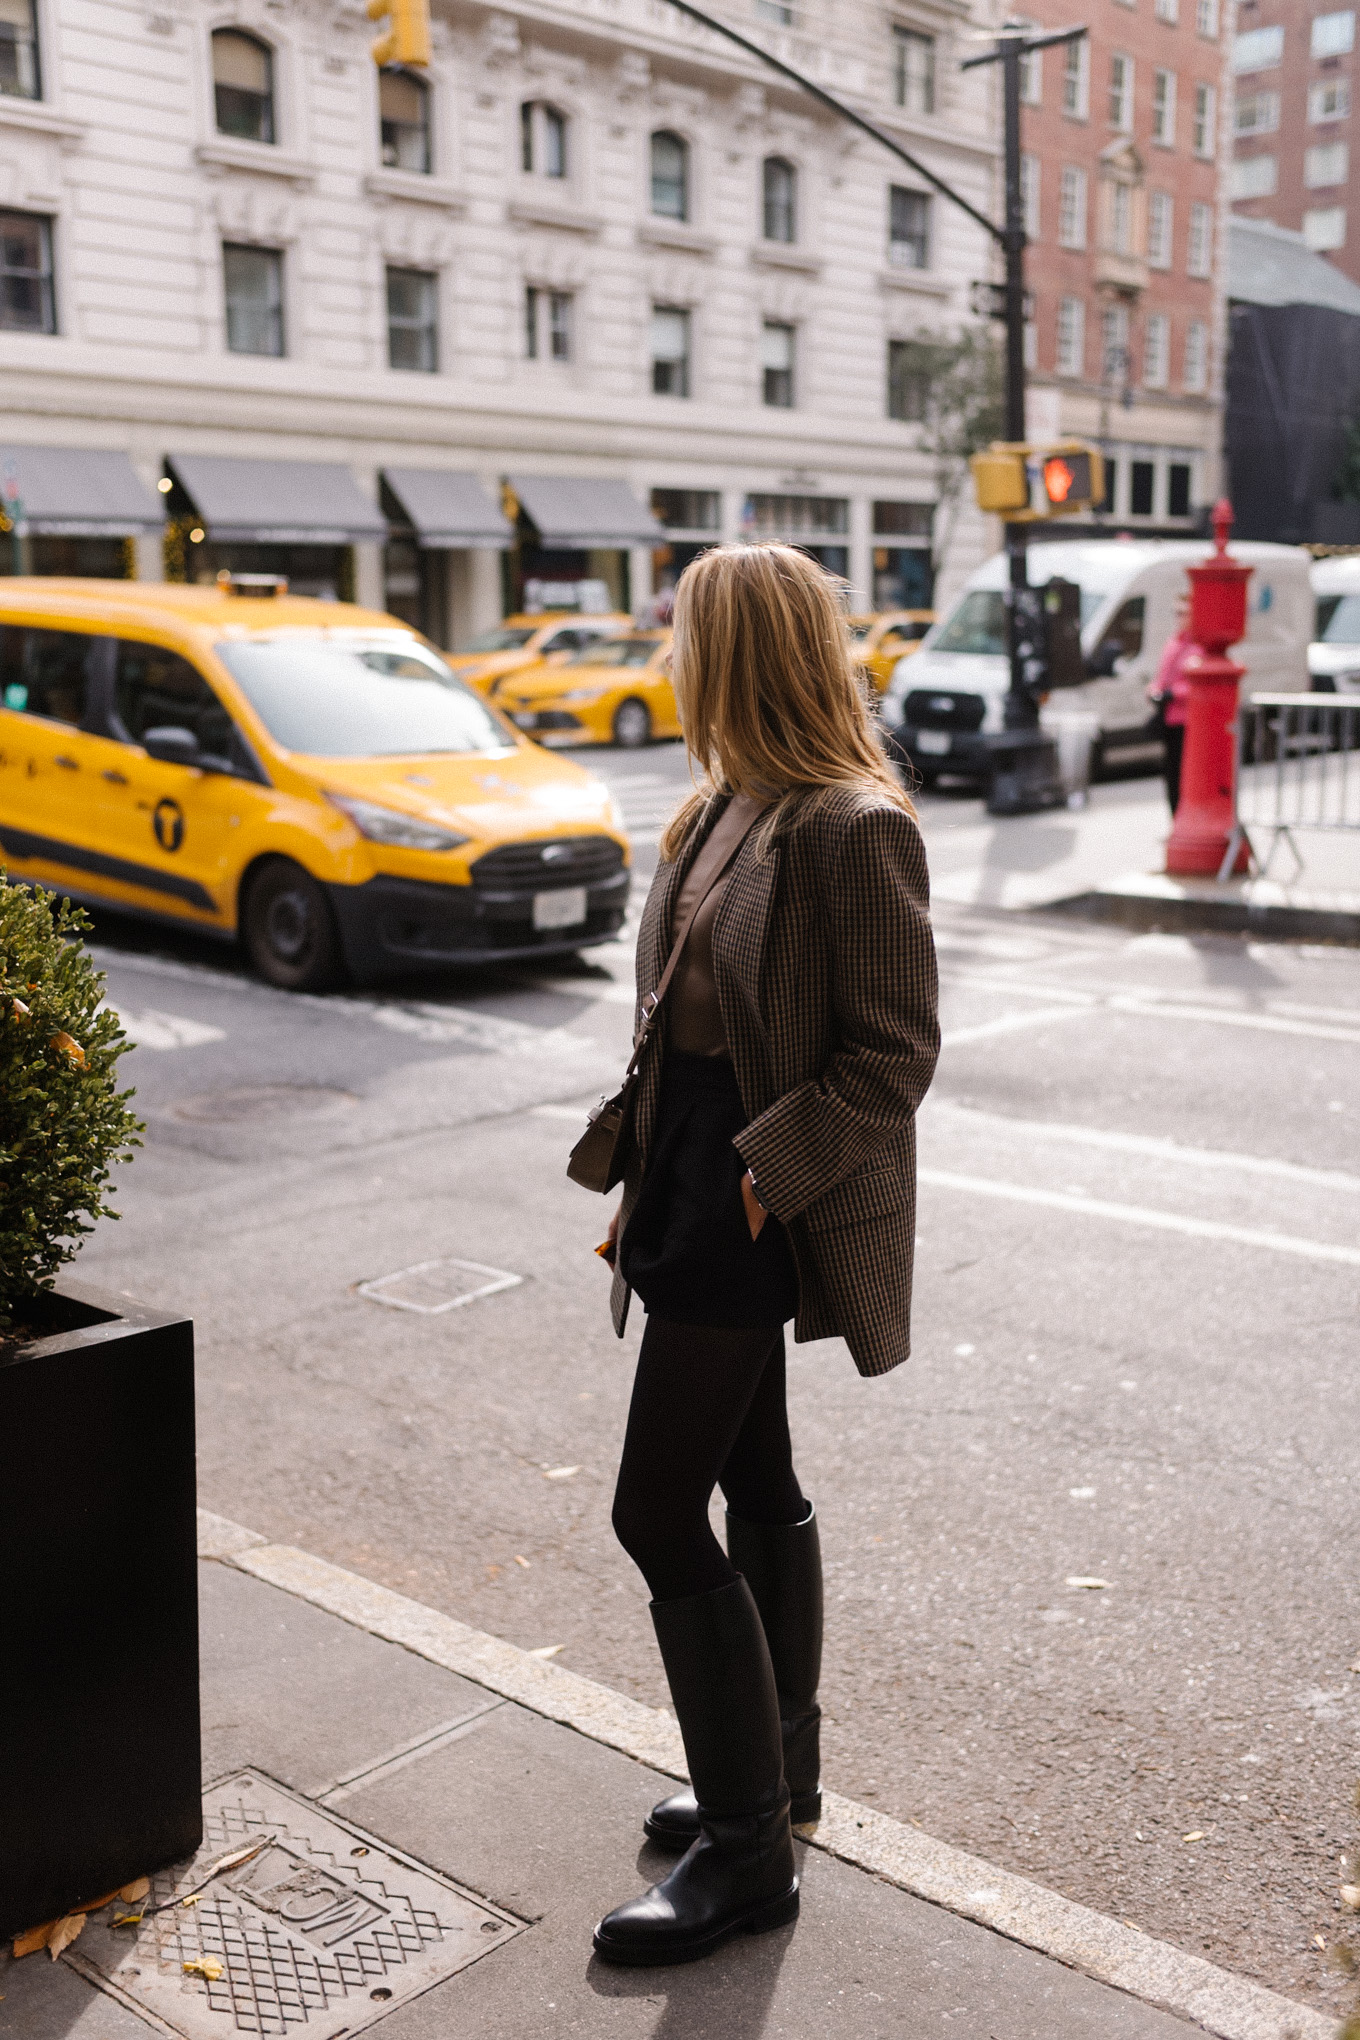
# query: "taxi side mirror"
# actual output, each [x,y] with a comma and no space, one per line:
[172,745]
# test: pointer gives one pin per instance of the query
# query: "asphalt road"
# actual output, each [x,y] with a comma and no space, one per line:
[1092,1578]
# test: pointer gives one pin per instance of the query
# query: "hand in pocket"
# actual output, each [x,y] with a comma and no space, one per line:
[756,1214]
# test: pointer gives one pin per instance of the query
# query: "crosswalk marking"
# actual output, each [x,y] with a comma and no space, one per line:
[164,1030]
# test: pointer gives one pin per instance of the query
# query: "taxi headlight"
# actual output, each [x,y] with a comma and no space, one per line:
[389,825]
[583,694]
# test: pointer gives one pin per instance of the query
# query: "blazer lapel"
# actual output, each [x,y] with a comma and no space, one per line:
[743,922]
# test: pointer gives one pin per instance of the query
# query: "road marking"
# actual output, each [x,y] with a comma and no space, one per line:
[485,1031]
[1138,1214]
[1146,1005]
[1012,1023]
[164,1030]
[1150,1145]
[1264,1023]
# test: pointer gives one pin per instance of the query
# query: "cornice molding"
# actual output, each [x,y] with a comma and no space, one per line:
[418,189]
[260,159]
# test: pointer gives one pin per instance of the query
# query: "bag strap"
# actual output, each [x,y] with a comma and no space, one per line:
[719,852]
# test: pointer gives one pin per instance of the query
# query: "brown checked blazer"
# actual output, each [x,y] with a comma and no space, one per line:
[825,969]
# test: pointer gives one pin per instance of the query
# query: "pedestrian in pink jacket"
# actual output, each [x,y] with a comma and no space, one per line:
[1169,693]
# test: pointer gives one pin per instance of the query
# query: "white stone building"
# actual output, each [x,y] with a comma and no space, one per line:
[594,264]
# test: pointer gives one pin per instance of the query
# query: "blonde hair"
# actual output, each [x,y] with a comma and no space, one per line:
[771,699]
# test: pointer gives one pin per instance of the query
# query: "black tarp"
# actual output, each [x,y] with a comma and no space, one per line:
[1293,388]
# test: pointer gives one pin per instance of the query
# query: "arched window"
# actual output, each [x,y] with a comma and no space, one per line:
[781,200]
[404,112]
[543,139]
[670,176]
[243,85]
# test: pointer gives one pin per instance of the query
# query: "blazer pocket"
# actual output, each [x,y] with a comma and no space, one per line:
[862,1197]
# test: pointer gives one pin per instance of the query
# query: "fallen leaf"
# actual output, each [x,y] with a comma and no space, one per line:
[140,1887]
[522,1561]
[128,1920]
[1356,1666]
[62,1932]
[1350,1897]
[239,1856]
[561,1472]
[1195,1835]
[1319,1941]
[194,1898]
[547,1650]
[1086,1580]
[206,1966]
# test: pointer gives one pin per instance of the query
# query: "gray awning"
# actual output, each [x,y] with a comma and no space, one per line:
[448,509]
[278,502]
[69,492]
[578,514]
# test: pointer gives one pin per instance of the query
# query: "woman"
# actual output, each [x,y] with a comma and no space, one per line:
[771,1175]
[1169,694]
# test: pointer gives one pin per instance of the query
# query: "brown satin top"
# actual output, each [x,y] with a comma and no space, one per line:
[695,1022]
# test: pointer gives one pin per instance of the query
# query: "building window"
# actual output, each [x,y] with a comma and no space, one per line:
[780,11]
[1077,80]
[253,287]
[1196,355]
[404,116]
[670,176]
[1029,195]
[779,192]
[1106,503]
[1326,163]
[1157,351]
[670,351]
[908,382]
[1164,108]
[20,76]
[1114,344]
[914,70]
[1072,207]
[26,300]
[776,361]
[1329,100]
[1206,19]
[1071,352]
[413,320]
[1324,228]
[908,228]
[1121,218]
[1031,74]
[547,324]
[1199,256]
[1121,93]
[1178,489]
[1332,35]
[1142,477]
[1253,177]
[542,139]
[1257,49]
[1168,10]
[688,509]
[1205,121]
[1258,113]
[1161,216]
[795,516]
[243,86]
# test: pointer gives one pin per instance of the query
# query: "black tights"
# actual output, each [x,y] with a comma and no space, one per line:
[708,1406]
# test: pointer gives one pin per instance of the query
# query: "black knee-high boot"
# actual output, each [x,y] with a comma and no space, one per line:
[738,1876]
[782,1565]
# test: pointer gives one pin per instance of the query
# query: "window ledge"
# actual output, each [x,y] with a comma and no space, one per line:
[37,118]
[785,255]
[918,280]
[675,234]
[262,157]
[527,212]
[414,184]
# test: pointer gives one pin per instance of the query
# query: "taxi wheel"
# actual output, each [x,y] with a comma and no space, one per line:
[289,929]
[632,725]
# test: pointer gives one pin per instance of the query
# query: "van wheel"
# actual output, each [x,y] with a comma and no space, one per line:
[632,725]
[289,930]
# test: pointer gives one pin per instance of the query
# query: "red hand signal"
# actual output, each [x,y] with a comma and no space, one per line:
[1058,480]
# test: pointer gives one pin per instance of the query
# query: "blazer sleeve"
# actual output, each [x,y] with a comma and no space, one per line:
[884,999]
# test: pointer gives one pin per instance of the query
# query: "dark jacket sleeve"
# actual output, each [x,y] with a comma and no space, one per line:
[884,1008]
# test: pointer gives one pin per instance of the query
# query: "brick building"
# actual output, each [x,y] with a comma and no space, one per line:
[1121,136]
[1294,66]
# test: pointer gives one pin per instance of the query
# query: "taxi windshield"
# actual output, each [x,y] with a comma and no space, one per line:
[350,696]
[503,638]
[615,652]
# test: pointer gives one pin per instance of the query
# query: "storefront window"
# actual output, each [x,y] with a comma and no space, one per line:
[19,74]
[404,112]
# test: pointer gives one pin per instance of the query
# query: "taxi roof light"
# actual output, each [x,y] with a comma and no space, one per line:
[267,585]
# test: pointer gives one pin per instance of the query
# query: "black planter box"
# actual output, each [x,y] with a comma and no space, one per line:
[100,1780]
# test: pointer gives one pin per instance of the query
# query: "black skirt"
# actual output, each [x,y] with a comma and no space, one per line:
[687,1248]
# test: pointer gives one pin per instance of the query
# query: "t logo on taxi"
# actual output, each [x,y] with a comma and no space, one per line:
[168,823]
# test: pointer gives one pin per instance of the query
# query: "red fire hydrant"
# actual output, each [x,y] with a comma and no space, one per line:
[1199,835]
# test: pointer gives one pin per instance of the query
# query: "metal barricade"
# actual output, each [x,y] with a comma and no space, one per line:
[1298,770]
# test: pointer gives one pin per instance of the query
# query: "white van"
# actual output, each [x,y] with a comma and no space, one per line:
[943,703]
[1334,655]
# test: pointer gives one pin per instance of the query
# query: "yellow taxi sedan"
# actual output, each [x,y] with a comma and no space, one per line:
[521,641]
[617,692]
[307,777]
[880,641]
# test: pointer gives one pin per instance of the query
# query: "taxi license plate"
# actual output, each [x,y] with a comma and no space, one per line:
[563,909]
[935,743]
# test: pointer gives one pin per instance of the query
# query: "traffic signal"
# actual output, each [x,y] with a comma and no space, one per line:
[1025,483]
[407,37]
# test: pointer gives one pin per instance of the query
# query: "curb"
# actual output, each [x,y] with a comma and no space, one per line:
[1185,1985]
[1164,904]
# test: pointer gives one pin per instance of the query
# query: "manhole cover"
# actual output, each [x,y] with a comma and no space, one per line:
[262,1101]
[431,1287]
[323,1932]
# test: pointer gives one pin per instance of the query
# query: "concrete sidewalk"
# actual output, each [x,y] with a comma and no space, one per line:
[441,1818]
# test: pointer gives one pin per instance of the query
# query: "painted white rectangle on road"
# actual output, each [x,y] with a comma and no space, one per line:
[432,1287]
[165,1030]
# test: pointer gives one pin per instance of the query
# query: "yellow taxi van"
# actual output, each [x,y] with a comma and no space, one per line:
[504,650]
[617,691]
[308,777]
